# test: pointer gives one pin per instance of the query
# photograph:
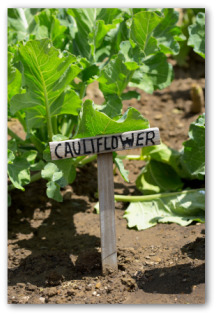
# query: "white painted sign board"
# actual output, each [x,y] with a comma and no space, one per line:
[103,146]
[105,143]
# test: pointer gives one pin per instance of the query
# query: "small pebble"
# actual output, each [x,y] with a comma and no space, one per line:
[42,299]
[158,117]
[98,285]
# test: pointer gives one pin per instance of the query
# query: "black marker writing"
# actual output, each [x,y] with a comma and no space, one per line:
[105,142]
[151,138]
[139,138]
[98,143]
[127,141]
[59,157]
[68,149]
[85,151]
[78,152]
[114,142]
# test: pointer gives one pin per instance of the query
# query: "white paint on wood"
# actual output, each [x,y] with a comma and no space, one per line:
[105,143]
[107,212]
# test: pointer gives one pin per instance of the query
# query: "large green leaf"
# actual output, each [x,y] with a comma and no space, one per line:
[115,76]
[47,75]
[197,35]
[163,153]
[167,33]
[142,27]
[158,177]
[156,73]
[93,24]
[93,123]
[193,156]
[112,107]
[181,208]
[113,80]
[154,32]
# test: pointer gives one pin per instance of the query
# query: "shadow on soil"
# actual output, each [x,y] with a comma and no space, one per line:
[176,279]
[172,280]
[52,251]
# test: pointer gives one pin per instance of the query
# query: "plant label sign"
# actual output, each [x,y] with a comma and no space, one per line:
[105,143]
[103,146]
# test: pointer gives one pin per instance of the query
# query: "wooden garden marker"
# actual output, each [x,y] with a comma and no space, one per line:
[103,146]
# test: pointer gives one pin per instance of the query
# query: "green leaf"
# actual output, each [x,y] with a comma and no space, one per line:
[162,153]
[68,170]
[133,55]
[108,15]
[142,27]
[47,75]
[156,73]
[68,103]
[21,23]
[53,191]
[93,24]
[49,25]
[130,94]
[193,155]
[59,174]
[19,173]
[115,76]
[14,78]
[183,208]
[158,177]
[49,170]
[85,21]
[11,157]
[93,122]
[197,35]
[167,33]
[154,32]
[113,106]
[38,166]
[12,145]
[120,165]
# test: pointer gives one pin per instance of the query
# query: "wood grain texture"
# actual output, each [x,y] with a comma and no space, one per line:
[105,143]
[107,212]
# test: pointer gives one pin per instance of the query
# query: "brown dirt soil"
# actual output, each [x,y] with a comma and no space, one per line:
[54,248]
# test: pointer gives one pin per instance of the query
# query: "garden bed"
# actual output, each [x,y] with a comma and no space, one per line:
[54,248]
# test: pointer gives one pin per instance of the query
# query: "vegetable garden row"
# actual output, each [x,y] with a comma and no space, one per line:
[55,54]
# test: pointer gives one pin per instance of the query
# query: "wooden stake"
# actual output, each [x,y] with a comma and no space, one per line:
[107,212]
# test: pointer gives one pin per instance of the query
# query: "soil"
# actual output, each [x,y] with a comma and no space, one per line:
[54,248]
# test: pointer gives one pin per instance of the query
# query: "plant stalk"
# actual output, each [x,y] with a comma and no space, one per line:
[154,196]
[88,159]
[130,157]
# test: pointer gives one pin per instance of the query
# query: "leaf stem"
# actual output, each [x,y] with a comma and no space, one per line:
[154,196]
[131,157]
[88,159]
